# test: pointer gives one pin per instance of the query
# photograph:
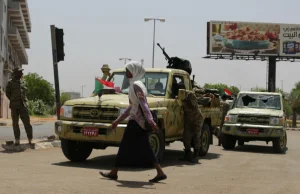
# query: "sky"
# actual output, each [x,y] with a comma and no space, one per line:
[100,32]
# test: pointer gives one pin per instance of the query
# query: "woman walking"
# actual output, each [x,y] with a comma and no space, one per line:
[135,146]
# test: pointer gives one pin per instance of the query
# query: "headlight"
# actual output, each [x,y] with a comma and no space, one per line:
[276,120]
[122,110]
[66,111]
[231,118]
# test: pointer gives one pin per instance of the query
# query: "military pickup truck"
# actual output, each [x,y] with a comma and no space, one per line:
[84,123]
[255,116]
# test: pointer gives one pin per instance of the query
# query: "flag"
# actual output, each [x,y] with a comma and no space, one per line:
[102,84]
[227,92]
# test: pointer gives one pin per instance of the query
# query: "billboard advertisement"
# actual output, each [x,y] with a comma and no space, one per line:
[249,38]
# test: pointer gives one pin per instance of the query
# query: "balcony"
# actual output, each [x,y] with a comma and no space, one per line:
[17,44]
[26,14]
[16,17]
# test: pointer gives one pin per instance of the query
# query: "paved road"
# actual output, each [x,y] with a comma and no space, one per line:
[251,169]
[41,129]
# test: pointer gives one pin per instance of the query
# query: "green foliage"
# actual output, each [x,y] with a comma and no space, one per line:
[64,97]
[221,87]
[39,89]
[37,107]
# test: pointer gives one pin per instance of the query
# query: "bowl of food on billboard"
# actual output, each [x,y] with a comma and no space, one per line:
[245,38]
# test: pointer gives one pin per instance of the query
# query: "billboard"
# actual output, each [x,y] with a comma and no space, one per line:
[249,38]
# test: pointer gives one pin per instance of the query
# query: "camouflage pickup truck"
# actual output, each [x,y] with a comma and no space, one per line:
[255,116]
[84,123]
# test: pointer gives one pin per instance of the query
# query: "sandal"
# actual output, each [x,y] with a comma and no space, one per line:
[158,178]
[107,175]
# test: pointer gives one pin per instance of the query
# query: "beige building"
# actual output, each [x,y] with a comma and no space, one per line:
[15,24]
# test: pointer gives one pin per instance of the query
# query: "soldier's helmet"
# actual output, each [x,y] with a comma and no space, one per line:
[17,69]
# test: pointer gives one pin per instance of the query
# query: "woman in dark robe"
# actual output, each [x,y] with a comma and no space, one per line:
[135,147]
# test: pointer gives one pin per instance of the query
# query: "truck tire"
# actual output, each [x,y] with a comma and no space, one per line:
[228,141]
[157,142]
[205,140]
[279,144]
[75,151]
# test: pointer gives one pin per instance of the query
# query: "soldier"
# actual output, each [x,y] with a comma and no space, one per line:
[193,121]
[16,93]
[225,108]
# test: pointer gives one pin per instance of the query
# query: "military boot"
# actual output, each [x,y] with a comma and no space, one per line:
[17,142]
[188,156]
[196,156]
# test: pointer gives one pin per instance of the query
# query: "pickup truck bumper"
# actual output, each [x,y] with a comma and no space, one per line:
[265,131]
[73,130]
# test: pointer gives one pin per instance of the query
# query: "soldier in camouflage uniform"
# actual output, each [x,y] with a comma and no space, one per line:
[193,121]
[225,108]
[16,93]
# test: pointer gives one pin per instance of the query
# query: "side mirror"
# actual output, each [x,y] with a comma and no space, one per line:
[181,94]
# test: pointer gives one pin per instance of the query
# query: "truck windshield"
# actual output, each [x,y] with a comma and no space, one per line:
[260,101]
[155,82]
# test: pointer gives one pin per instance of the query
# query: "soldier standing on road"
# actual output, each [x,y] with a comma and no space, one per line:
[193,121]
[225,108]
[16,93]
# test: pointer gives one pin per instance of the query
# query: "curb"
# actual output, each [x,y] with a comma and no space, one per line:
[36,146]
[292,129]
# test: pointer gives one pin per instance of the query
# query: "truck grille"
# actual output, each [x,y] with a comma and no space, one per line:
[96,113]
[259,120]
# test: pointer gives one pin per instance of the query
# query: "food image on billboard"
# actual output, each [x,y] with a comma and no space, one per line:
[244,38]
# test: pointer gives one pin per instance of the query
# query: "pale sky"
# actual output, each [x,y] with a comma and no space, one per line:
[100,32]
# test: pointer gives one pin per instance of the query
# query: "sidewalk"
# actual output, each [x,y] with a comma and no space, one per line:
[33,120]
[37,144]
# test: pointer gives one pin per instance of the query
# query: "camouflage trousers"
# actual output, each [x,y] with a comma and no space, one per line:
[21,112]
[192,136]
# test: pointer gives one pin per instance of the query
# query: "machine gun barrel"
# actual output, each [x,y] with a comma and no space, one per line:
[165,54]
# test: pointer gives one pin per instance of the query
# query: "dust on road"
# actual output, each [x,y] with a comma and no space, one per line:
[250,169]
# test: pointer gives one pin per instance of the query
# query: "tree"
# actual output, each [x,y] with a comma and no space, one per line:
[221,87]
[39,89]
[64,97]
[294,101]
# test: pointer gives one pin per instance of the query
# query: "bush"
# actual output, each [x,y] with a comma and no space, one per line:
[37,107]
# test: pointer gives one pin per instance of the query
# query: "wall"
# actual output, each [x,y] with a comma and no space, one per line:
[3,40]
[4,106]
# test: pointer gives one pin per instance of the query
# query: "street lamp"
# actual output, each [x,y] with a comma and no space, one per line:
[154,20]
[82,86]
[125,60]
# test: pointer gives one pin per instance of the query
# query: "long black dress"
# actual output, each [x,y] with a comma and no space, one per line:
[135,149]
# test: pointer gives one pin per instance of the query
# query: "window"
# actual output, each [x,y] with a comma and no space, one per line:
[155,83]
[259,101]
[5,8]
[1,37]
[177,83]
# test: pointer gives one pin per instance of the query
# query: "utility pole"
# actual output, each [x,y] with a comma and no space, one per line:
[154,20]
[82,86]
[125,60]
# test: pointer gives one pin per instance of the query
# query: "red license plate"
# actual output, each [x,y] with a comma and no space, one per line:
[253,131]
[92,132]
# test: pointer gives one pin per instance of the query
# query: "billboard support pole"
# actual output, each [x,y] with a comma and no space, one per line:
[55,70]
[272,74]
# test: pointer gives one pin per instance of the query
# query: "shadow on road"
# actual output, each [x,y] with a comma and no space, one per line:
[107,162]
[258,149]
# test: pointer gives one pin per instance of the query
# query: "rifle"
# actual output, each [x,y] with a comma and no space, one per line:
[165,54]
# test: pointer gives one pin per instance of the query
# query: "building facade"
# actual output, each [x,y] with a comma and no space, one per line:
[73,95]
[15,26]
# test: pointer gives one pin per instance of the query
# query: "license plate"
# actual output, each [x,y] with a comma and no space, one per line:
[253,131]
[92,132]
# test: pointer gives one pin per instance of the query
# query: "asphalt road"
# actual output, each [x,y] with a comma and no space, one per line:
[251,169]
[39,130]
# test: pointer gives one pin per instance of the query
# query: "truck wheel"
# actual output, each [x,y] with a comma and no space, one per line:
[241,143]
[228,142]
[279,144]
[157,142]
[75,151]
[205,137]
